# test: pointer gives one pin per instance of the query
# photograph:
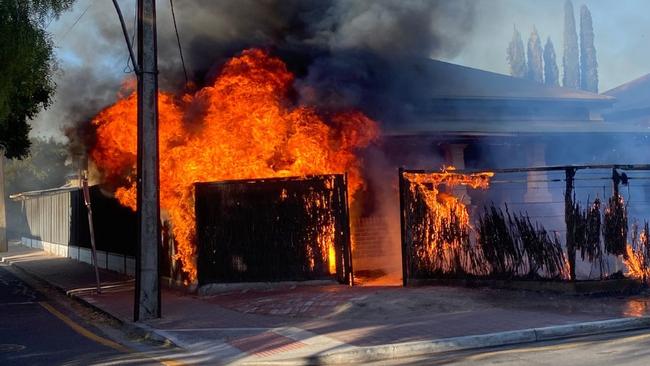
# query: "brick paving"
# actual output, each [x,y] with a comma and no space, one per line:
[265,344]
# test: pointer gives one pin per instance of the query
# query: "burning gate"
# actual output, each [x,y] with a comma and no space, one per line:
[273,229]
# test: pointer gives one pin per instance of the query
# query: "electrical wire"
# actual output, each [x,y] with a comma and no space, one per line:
[126,37]
[128,69]
[76,20]
[178,40]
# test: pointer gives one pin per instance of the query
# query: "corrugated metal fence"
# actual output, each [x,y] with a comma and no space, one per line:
[57,222]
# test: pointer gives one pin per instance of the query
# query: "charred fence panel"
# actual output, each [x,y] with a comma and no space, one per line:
[273,230]
[560,223]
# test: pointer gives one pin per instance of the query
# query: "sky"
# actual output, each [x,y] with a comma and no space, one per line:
[89,46]
[621,29]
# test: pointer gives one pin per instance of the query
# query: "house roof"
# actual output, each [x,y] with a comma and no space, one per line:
[631,96]
[516,127]
[434,79]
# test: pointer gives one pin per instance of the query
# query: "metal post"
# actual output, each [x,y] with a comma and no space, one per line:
[569,219]
[616,180]
[147,284]
[402,215]
[347,244]
[91,228]
[3,213]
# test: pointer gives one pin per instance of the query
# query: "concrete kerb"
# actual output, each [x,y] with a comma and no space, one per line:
[138,329]
[423,348]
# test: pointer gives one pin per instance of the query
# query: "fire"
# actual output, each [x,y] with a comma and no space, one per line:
[635,263]
[449,178]
[450,223]
[637,253]
[241,126]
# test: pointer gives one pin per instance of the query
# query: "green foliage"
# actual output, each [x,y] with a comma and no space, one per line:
[588,62]
[26,65]
[570,62]
[535,66]
[45,167]
[551,72]
[516,55]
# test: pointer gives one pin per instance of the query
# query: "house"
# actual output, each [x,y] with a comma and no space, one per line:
[447,114]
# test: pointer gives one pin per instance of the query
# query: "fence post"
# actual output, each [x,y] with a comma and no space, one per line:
[347,244]
[616,180]
[569,218]
[402,215]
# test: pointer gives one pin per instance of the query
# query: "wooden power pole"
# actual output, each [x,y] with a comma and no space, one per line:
[147,283]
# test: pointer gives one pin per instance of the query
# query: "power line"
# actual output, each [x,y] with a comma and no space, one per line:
[126,37]
[77,20]
[127,69]
[178,40]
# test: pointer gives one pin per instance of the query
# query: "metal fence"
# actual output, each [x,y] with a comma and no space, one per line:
[527,223]
[59,217]
[273,230]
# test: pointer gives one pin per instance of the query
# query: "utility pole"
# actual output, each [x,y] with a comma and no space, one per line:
[147,282]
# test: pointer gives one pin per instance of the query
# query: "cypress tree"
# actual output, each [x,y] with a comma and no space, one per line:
[535,66]
[551,72]
[516,55]
[570,62]
[588,62]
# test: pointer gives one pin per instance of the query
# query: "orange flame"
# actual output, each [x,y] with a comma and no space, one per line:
[449,213]
[635,264]
[242,126]
[636,258]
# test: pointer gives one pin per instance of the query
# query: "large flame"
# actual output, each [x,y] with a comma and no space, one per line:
[449,225]
[242,126]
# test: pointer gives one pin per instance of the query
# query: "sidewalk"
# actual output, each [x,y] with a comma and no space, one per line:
[312,324]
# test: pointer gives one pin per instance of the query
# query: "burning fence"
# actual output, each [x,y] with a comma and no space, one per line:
[446,236]
[244,125]
[273,229]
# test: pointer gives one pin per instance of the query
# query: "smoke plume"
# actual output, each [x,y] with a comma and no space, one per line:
[310,36]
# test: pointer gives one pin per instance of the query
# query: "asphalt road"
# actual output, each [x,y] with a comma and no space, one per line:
[625,348]
[35,331]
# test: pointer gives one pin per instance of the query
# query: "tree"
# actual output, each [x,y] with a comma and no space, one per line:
[45,167]
[26,86]
[588,62]
[516,55]
[27,64]
[551,72]
[535,66]
[570,63]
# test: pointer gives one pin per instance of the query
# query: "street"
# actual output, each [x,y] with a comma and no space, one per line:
[34,331]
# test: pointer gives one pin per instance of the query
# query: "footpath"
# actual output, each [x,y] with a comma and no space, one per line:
[335,324]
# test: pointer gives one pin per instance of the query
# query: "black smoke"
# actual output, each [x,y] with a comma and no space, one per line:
[302,32]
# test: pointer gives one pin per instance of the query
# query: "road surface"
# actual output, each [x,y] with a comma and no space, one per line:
[38,331]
